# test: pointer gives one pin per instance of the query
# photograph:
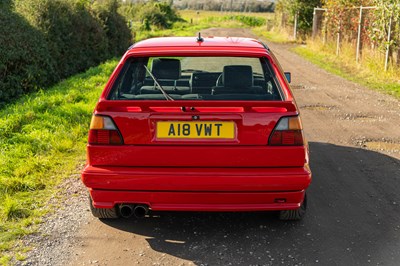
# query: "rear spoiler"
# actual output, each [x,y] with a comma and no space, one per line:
[196,106]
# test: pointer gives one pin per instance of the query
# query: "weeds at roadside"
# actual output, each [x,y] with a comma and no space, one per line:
[369,73]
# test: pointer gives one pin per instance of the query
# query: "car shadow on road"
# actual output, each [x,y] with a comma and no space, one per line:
[353,218]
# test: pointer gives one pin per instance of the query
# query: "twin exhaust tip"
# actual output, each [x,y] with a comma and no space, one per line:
[127,210]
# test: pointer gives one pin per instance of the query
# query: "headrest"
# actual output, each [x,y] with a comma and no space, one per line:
[165,68]
[235,76]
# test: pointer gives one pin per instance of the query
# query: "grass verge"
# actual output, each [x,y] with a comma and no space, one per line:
[42,141]
[369,74]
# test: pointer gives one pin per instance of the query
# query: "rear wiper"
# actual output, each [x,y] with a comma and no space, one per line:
[166,95]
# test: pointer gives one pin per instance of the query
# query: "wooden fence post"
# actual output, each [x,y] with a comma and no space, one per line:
[314,24]
[325,38]
[388,44]
[317,17]
[296,16]
[338,38]
[358,52]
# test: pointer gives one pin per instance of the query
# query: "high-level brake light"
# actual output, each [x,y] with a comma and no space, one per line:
[288,132]
[103,131]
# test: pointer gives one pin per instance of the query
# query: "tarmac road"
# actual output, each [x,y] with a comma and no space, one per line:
[354,201]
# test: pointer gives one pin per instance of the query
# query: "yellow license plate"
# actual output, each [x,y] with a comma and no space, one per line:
[195,130]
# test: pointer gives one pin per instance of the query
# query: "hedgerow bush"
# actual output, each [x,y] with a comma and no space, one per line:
[248,21]
[151,15]
[75,38]
[25,63]
[114,25]
[48,40]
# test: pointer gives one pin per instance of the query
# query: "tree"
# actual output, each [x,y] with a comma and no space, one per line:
[151,14]
[303,8]
[343,16]
[387,13]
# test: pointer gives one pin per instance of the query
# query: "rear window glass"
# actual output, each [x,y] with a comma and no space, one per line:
[196,78]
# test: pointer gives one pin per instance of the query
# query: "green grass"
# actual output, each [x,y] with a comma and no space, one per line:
[42,142]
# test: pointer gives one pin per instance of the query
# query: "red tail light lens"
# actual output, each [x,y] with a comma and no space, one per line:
[288,132]
[103,131]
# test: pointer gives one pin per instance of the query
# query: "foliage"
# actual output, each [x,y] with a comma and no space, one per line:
[75,39]
[247,20]
[159,15]
[44,41]
[374,33]
[12,210]
[387,10]
[114,25]
[206,19]
[303,8]
[341,20]
[143,26]
[25,63]
[238,6]
[343,17]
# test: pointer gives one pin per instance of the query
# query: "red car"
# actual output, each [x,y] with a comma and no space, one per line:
[197,124]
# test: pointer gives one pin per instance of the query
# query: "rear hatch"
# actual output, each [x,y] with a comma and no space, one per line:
[196,134]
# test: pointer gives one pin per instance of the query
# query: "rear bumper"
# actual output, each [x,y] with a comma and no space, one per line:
[198,189]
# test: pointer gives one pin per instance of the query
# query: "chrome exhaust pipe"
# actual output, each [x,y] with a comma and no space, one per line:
[140,211]
[126,210]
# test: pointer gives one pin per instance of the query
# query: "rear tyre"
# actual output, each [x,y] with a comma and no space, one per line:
[294,215]
[103,213]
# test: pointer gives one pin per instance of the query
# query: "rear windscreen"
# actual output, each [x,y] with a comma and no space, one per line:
[195,78]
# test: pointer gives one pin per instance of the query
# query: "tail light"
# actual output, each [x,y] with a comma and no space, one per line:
[288,132]
[103,131]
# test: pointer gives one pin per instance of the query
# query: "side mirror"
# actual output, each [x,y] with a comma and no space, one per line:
[288,76]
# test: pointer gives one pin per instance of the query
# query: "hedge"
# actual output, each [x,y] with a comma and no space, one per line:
[44,41]
[25,63]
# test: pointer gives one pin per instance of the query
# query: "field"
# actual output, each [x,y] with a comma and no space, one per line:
[197,20]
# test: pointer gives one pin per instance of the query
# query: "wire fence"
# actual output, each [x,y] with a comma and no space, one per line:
[354,26]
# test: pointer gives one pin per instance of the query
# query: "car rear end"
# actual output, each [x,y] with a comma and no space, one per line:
[197,128]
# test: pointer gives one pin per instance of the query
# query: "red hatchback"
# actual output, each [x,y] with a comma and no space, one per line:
[197,124]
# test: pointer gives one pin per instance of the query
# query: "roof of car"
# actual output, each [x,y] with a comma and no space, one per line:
[205,42]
